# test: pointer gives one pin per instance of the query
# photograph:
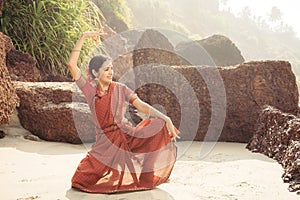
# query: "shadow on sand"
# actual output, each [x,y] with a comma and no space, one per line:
[74,194]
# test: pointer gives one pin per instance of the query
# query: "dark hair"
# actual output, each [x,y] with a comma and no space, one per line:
[96,63]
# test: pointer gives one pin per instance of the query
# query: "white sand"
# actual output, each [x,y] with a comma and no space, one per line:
[43,170]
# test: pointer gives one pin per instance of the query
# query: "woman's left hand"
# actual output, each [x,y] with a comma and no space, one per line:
[173,132]
[94,35]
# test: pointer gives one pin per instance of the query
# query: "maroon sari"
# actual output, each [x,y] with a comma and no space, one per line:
[124,157]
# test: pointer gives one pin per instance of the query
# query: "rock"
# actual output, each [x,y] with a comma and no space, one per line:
[55,112]
[32,137]
[8,99]
[115,46]
[49,77]
[154,47]
[22,67]
[248,87]
[132,37]
[273,132]
[2,134]
[277,136]
[122,65]
[291,165]
[216,50]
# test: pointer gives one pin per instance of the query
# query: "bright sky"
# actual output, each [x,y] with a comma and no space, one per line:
[289,9]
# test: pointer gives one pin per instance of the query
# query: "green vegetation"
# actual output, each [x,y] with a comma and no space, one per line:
[155,13]
[117,7]
[48,29]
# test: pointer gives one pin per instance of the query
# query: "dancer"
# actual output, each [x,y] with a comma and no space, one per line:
[124,157]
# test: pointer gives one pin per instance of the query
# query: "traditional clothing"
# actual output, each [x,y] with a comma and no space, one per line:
[124,157]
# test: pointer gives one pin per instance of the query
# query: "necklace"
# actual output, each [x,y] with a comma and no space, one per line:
[101,90]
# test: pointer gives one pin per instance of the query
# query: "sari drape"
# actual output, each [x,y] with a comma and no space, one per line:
[124,157]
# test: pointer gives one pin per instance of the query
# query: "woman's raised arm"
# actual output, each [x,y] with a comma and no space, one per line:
[73,59]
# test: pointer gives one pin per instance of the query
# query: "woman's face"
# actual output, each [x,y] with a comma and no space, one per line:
[106,72]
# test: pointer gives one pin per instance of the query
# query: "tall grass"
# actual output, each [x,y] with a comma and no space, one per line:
[48,29]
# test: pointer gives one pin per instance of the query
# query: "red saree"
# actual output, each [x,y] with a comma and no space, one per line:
[124,157]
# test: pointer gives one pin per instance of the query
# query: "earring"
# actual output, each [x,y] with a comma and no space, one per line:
[95,73]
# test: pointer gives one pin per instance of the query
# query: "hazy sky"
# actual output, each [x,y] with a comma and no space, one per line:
[290,9]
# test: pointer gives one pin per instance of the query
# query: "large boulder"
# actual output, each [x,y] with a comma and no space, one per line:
[215,50]
[22,66]
[277,136]
[8,98]
[55,111]
[274,131]
[248,88]
[115,46]
[154,47]
[122,65]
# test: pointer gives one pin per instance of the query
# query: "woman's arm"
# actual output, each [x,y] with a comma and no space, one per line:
[145,108]
[73,59]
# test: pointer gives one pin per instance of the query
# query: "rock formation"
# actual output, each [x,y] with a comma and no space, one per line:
[291,165]
[154,47]
[248,88]
[277,136]
[216,50]
[22,67]
[8,98]
[55,112]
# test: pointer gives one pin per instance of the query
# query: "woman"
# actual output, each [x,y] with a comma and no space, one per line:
[124,157]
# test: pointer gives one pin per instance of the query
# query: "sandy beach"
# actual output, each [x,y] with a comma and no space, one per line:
[43,170]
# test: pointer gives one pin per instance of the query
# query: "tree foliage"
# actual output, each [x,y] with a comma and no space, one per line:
[155,13]
[48,29]
[118,7]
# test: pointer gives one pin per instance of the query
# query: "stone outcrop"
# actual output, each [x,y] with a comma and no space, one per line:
[291,165]
[22,66]
[273,132]
[248,88]
[55,112]
[8,98]
[154,47]
[115,46]
[277,136]
[122,65]
[216,50]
